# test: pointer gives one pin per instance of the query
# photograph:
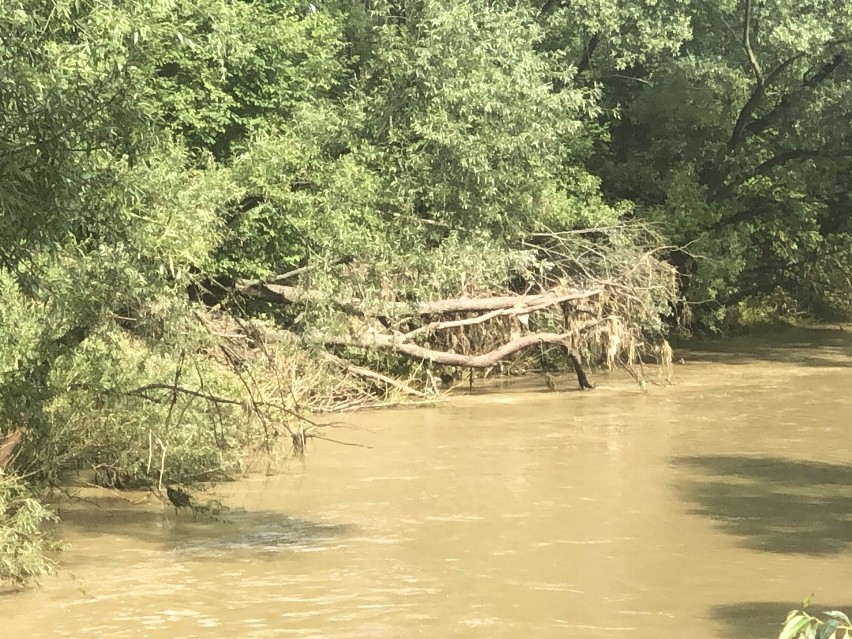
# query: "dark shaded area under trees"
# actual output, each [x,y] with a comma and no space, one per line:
[219,217]
[772,504]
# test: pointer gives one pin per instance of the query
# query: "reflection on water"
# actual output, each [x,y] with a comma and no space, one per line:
[700,509]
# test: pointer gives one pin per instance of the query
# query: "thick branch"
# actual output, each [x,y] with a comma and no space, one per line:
[486,360]
[582,379]
[753,212]
[752,58]
[737,135]
[588,50]
[524,303]
[824,71]
[764,168]
[517,309]
[809,81]
[714,175]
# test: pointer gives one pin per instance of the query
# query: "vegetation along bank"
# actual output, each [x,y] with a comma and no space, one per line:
[220,217]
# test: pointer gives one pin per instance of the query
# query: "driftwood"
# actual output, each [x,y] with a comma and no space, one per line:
[519,306]
[570,305]
[485,309]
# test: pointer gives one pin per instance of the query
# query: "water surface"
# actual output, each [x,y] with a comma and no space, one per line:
[706,509]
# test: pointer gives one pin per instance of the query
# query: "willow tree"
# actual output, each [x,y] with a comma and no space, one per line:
[113,116]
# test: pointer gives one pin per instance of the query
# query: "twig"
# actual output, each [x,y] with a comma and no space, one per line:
[337,441]
[366,372]
[150,451]
[522,308]
[141,392]
[72,497]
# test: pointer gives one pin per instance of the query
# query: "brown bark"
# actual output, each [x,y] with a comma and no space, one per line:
[519,303]
[398,344]
[8,443]
[367,373]
[485,360]
[752,58]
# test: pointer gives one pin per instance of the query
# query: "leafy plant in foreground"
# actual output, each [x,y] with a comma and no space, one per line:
[802,625]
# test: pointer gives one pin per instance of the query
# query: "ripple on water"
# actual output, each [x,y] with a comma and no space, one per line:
[496,524]
[269,534]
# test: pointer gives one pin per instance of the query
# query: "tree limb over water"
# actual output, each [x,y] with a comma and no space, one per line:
[596,295]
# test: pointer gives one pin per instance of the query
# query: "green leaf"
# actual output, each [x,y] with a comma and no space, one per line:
[829,629]
[795,626]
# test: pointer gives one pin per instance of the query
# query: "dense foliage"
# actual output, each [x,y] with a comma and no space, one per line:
[159,156]
[738,145]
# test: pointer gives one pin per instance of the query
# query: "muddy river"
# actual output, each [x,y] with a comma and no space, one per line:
[705,509]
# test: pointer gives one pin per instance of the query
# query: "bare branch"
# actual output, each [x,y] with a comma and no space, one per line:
[520,308]
[486,360]
[752,58]
[439,307]
[366,372]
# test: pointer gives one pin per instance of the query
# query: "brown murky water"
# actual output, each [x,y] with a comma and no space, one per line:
[704,509]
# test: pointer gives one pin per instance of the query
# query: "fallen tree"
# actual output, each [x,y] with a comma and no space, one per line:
[597,295]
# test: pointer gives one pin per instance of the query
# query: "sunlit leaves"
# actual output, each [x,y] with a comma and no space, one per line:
[625,34]
[226,69]
[24,544]
[475,136]
[802,625]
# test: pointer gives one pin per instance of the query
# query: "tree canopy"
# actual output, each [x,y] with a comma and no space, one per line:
[210,208]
